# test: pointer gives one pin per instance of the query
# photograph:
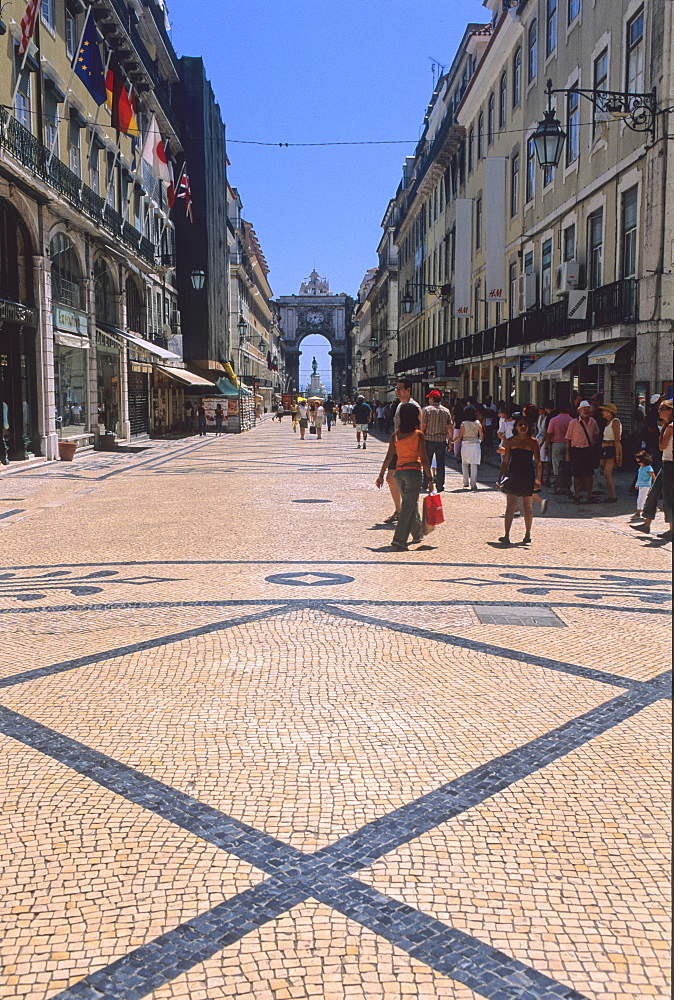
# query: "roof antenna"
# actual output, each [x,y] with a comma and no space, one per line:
[437,69]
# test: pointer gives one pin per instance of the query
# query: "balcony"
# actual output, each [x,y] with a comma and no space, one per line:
[29,151]
[608,305]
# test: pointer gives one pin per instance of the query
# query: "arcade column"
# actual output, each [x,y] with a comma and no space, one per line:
[292,359]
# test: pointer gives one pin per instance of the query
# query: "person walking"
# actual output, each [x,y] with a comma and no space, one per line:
[581,439]
[303,414]
[544,414]
[519,475]
[644,481]
[436,424]
[189,418]
[403,395]
[457,414]
[555,439]
[361,417]
[611,448]
[408,446]
[662,487]
[471,435]
[329,407]
[319,416]
[219,418]
[201,417]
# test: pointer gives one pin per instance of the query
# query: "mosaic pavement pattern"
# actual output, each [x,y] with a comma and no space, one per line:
[247,751]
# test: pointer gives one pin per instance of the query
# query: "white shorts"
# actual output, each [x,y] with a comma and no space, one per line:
[362,428]
[641,497]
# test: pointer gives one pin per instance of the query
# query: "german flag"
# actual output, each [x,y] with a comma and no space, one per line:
[122,103]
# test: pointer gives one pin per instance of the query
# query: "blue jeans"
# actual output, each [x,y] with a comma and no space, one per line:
[439,449]
[409,522]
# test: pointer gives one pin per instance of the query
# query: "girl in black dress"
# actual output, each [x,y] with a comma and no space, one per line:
[519,475]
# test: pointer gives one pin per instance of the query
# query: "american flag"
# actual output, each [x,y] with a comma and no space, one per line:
[185,191]
[28,24]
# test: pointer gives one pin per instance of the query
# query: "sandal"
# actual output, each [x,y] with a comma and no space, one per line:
[392,519]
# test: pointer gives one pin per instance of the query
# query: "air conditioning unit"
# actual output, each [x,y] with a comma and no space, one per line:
[567,276]
[528,290]
[175,322]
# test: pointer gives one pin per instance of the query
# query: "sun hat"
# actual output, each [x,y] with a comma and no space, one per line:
[611,407]
[584,403]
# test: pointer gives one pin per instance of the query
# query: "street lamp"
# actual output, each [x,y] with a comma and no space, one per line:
[373,343]
[198,278]
[359,356]
[242,327]
[637,111]
[407,299]
[262,347]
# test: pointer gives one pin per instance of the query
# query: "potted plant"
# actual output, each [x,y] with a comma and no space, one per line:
[67,450]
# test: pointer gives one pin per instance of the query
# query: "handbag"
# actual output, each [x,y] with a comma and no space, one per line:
[312,429]
[433,513]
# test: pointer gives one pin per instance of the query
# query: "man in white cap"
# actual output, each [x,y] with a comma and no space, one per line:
[582,435]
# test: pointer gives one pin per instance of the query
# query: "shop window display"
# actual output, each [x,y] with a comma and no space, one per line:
[70,372]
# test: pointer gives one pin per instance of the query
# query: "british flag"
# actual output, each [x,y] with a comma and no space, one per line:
[28,24]
[185,191]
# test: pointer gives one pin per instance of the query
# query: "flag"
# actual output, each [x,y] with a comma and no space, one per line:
[270,363]
[88,63]
[171,188]
[154,152]
[185,191]
[28,24]
[122,103]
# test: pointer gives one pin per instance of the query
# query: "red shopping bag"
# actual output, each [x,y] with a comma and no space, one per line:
[433,513]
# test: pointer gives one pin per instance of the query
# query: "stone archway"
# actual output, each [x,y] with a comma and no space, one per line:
[314,311]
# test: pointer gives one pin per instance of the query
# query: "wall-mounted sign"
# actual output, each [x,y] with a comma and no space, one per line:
[70,320]
[15,312]
[526,361]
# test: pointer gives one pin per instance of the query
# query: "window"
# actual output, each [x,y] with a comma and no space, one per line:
[94,169]
[48,13]
[635,54]
[517,77]
[550,26]
[74,147]
[66,278]
[104,293]
[471,145]
[570,242]
[110,193]
[574,10]
[514,183]
[480,136]
[531,171]
[476,305]
[572,127]
[546,273]
[71,32]
[595,232]
[600,82]
[513,291]
[478,223]
[629,241]
[490,120]
[22,102]
[532,46]
[503,101]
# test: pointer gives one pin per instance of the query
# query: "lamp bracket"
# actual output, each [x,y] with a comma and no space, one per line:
[638,111]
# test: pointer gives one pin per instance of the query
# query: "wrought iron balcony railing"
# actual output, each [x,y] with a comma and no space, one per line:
[29,151]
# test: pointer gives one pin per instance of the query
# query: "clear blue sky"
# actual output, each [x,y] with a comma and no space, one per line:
[331,70]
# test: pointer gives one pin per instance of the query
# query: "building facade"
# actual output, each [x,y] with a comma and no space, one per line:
[84,305]
[315,310]
[527,284]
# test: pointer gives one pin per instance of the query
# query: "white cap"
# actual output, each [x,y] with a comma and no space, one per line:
[584,403]
[655,397]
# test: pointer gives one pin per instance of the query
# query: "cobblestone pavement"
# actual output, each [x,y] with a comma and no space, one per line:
[247,750]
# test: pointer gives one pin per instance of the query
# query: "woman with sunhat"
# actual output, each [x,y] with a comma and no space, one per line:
[611,448]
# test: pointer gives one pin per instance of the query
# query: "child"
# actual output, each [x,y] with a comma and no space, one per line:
[645,477]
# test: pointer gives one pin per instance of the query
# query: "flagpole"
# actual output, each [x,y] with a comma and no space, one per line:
[70,85]
[25,58]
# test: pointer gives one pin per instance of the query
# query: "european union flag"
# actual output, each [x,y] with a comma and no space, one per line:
[88,63]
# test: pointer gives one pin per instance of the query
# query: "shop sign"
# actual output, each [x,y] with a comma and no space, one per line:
[526,361]
[70,320]
[107,342]
[15,312]
[140,367]
[137,353]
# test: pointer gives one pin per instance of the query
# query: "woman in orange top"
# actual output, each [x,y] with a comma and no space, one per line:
[408,447]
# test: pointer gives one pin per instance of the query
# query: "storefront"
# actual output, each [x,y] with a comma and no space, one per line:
[19,437]
[71,365]
[108,380]
[169,391]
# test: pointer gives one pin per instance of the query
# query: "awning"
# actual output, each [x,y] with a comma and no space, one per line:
[151,348]
[71,340]
[510,362]
[604,354]
[565,360]
[225,387]
[540,366]
[181,375]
